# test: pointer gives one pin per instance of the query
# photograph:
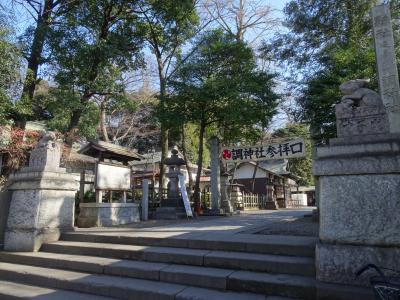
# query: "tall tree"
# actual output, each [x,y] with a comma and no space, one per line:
[95,44]
[43,13]
[169,24]
[218,86]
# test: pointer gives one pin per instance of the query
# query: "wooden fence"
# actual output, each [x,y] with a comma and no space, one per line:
[253,201]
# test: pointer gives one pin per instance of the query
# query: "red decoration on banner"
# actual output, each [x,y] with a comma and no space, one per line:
[226,154]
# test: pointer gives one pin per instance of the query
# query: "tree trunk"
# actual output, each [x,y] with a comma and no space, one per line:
[196,196]
[186,160]
[164,130]
[103,127]
[35,56]
[76,115]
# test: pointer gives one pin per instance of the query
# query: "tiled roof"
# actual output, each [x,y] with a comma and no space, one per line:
[99,146]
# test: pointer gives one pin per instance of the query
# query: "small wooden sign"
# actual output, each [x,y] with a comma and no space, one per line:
[111,177]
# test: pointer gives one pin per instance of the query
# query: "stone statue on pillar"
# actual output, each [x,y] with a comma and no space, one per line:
[43,199]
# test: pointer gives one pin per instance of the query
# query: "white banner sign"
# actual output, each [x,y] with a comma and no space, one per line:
[185,198]
[290,149]
[113,177]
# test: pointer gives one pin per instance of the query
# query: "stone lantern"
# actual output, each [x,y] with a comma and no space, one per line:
[172,207]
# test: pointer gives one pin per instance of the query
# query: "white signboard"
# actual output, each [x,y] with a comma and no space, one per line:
[185,198]
[113,177]
[290,149]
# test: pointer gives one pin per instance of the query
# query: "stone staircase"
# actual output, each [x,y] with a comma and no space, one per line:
[114,266]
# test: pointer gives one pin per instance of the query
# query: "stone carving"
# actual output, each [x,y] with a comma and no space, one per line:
[361,111]
[356,94]
[47,153]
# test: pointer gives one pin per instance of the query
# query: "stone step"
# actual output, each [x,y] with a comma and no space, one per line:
[14,291]
[196,257]
[254,243]
[214,278]
[274,284]
[113,286]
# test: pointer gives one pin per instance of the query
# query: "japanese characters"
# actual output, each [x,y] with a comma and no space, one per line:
[290,149]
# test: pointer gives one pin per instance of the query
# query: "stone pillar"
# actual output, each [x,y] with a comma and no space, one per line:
[145,199]
[43,199]
[387,65]
[215,175]
[225,197]
[358,192]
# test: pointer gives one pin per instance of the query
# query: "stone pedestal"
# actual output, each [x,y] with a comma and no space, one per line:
[237,197]
[107,214]
[359,205]
[43,197]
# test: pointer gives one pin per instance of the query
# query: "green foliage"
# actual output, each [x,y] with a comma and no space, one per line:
[10,62]
[328,43]
[301,167]
[168,24]
[192,144]
[218,85]
[95,45]
[61,103]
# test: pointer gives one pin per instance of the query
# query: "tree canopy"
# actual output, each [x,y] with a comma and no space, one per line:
[219,86]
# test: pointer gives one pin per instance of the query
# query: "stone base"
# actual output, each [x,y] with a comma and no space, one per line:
[170,213]
[214,212]
[31,241]
[339,263]
[271,205]
[359,188]
[42,206]
[281,203]
[227,206]
[107,214]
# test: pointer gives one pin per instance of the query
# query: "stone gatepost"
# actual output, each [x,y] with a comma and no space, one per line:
[215,177]
[43,199]
[359,188]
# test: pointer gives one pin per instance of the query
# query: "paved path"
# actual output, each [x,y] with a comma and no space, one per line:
[237,227]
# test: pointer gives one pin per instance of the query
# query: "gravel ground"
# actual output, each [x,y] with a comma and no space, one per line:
[303,226]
